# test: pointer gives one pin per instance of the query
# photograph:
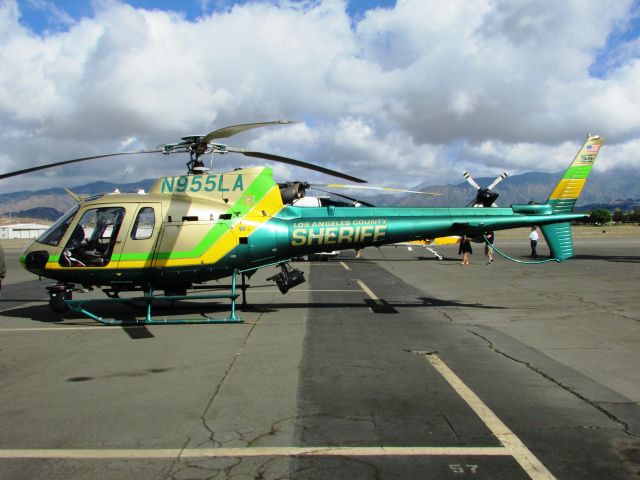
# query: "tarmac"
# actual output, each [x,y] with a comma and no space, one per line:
[393,365]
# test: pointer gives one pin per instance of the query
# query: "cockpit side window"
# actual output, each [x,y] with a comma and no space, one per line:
[93,238]
[56,232]
[144,224]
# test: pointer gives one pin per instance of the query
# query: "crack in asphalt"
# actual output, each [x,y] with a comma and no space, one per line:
[175,465]
[377,429]
[276,427]
[446,315]
[212,433]
[589,303]
[453,429]
[625,426]
[227,470]
[604,307]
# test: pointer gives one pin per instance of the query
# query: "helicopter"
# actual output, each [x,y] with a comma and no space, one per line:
[485,197]
[202,226]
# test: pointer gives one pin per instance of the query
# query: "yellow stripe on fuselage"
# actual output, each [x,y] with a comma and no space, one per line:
[270,203]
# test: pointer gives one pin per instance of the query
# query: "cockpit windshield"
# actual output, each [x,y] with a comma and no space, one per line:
[56,232]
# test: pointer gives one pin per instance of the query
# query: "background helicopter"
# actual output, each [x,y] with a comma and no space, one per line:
[485,197]
[202,226]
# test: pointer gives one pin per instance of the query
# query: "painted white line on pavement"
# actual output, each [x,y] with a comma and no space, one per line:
[101,454]
[345,266]
[307,290]
[527,460]
[66,329]
[368,291]
[328,290]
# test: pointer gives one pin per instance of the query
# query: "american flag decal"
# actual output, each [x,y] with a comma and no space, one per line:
[593,148]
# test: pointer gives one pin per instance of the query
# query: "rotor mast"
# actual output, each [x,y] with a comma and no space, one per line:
[198,145]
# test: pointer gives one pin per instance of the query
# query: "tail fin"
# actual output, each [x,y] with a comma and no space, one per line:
[570,186]
[565,195]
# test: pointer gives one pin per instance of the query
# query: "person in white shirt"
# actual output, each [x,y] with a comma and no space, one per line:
[533,236]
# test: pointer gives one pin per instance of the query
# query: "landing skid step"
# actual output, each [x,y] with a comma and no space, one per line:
[149,298]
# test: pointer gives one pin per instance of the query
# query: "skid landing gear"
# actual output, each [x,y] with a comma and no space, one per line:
[61,301]
[435,254]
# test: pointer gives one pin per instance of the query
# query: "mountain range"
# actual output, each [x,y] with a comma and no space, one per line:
[50,203]
[611,189]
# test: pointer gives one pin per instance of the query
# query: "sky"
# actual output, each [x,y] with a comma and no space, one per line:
[398,92]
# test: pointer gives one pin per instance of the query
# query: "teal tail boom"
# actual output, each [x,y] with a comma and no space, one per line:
[558,235]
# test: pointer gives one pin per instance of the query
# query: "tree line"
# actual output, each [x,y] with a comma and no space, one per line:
[602,216]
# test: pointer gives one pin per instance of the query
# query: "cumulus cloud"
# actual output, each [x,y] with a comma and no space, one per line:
[399,95]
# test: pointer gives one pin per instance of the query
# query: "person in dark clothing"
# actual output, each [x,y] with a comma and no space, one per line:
[465,249]
[3,267]
[488,246]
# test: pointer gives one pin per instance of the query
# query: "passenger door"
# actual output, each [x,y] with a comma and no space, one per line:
[139,244]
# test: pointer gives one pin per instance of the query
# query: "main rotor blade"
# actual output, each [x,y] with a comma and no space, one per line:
[366,187]
[498,180]
[234,129]
[353,199]
[297,163]
[471,181]
[75,160]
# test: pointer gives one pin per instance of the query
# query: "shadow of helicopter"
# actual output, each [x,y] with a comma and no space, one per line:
[610,258]
[42,314]
[13,294]
[422,258]
[430,259]
[383,306]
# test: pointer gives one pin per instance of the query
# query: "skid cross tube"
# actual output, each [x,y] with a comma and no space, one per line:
[149,297]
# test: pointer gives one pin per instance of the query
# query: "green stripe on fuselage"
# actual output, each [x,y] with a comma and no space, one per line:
[258,189]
